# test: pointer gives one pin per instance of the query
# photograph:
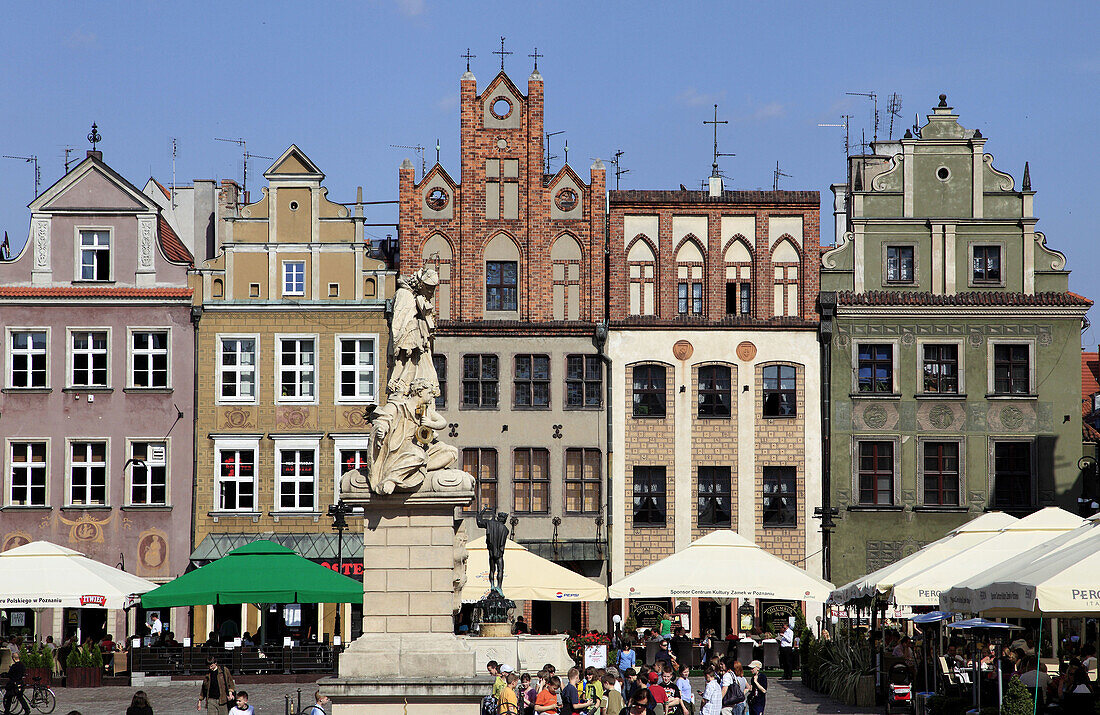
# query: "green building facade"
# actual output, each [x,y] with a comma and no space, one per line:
[953,351]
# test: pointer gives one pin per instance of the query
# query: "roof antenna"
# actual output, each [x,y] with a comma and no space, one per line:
[244,172]
[775,176]
[714,166]
[419,150]
[893,108]
[844,126]
[874,100]
[174,152]
[68,150]
[437,150]
[548,156]
[37,174]
[567,151]
[619,171]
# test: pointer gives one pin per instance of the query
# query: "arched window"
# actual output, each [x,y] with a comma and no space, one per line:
[785,264]
[501,275]
[565,257]
[643,278]
[437,254]
[738,278]
[689,279]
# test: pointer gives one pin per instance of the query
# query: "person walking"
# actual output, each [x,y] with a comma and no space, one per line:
[626,657]
[742,686]
[319,704]
[758,688]
[241,706]
[13,689]
[683,683]
[509,698]
[711,694]
[218,688]
[139,704]
[547,700]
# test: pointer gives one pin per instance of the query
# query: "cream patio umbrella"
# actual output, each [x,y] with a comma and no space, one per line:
[527,577]
[964,537]
[1051,579]
[722,564]
[924,588]
[45,575]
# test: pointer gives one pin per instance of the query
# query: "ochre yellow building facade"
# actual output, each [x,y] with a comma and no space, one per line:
[292,345]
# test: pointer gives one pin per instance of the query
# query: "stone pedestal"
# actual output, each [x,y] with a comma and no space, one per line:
[408,659]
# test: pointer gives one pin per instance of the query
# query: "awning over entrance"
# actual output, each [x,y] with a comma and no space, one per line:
[527,577]
[319,548]
[45,575]
[260,572]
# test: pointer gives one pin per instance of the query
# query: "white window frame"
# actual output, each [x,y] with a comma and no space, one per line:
[339,368]
[70,464]
[279,397]
[990,352]
[340,444]
[287,265]
[9,472]
[894,360]
[78,253]
[9,351]
[131,353]
[298,444]
[234,445]
[960,344]
[70,355]
[167,462]
[220,398]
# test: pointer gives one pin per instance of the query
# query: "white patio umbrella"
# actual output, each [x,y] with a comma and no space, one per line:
[881,581]
[527,577]
[1051,579]
[924,587]
[45,575]
[722,564]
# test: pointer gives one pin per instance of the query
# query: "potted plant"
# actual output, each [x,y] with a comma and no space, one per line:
[84,667]
[39,663]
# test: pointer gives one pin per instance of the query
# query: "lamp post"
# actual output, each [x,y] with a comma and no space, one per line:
[339,512]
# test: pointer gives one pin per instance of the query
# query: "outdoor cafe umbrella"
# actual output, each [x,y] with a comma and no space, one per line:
[259,572]
[45,575]
[924,588]
[722,564]
[881,581]
[527,577]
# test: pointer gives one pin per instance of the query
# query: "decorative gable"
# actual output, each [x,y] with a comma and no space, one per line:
[502,104]
[92,185]
[293,163]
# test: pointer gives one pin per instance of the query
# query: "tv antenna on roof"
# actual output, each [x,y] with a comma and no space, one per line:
[37,173]
[174,153]
[68,150]
[874,100]
[844,126]
[548,156]
[247,155]
[893,108]
[714,166]
[775,176]
[419,150]
[619,171]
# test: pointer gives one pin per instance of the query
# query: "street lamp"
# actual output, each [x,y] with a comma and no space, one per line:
[339,512]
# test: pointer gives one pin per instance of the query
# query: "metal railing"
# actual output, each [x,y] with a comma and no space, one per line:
[247,660]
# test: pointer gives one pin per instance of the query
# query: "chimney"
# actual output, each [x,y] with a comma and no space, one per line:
[96,153]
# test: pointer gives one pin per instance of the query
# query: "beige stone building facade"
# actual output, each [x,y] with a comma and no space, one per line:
[291,338]
[716,374]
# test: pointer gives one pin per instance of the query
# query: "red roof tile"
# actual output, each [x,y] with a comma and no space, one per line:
[1090,373]
[171,243]
[92,292]
[161,187]
[1089,433]
[973,298]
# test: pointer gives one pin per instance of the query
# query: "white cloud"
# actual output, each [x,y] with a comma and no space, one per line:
[771,110]
[410,8]
[693,98]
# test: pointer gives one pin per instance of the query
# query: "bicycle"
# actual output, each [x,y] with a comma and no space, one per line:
[42,698]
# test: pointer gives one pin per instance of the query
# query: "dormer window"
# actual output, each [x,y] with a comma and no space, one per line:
[95,255]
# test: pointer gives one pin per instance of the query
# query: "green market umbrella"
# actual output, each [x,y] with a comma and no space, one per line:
[259,572]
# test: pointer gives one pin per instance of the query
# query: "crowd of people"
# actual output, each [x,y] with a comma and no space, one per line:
[629,688]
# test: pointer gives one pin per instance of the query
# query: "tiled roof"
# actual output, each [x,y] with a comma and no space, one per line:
[511,327]
[171,243]
[697,322]
[1089,433]
[161,187]
[973,298]
[703,197]
[1090,374]
[92,292]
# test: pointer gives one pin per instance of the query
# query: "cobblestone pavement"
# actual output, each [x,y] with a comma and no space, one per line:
[180,698]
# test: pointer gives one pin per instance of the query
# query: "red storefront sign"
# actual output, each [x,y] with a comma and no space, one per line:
[355,570]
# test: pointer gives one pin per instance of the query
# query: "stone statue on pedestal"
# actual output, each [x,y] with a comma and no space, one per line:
[496,537]
[406,454]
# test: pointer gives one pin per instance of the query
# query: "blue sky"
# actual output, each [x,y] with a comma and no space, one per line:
[350,79]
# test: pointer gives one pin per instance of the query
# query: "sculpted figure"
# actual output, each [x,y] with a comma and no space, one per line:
[405,449]
[413,325]
[496,537]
